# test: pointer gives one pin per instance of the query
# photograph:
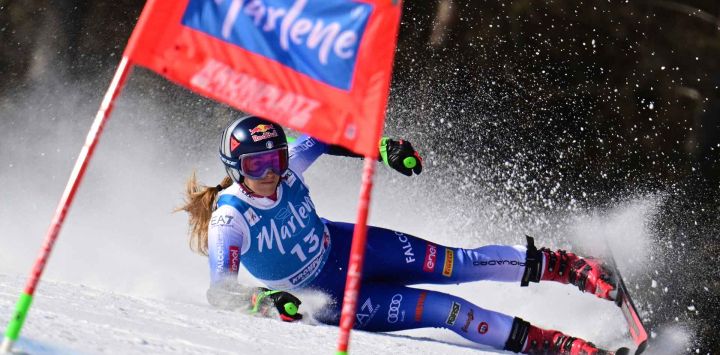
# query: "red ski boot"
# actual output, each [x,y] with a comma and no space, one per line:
[541,341]
[588,274]
[529,339]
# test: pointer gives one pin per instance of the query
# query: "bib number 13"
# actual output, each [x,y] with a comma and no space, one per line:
[311,240]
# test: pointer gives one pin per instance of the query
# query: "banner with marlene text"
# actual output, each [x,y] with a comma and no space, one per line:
[322,67]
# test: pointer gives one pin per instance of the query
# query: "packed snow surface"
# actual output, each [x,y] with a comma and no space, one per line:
[76,319]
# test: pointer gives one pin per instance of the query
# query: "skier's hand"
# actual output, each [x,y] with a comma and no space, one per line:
[286,305]
[400,156]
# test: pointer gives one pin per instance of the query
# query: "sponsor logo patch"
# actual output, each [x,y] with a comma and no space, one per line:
[289,178]
[498,263]
[265,131]
[407,248]
[430,258]
[394,314]
[251,216]
[449,261]
[366,313]
[470,317]
[234,258]
[483,328]
[221,220]
[452,317]
[420,306]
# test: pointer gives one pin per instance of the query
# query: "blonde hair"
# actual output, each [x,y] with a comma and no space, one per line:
[199,204]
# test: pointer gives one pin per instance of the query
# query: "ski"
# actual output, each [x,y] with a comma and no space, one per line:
[625,302]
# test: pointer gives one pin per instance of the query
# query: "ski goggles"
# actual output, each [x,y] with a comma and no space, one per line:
[257,165]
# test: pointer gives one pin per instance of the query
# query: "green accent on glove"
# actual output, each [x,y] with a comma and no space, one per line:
[290,308]
[410,162]
[383,150]
[290,139]
[261,296]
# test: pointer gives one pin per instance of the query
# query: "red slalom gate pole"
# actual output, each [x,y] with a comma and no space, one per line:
[357,256]
[23,305]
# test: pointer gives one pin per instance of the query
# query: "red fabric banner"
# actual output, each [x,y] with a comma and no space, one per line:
[321,67]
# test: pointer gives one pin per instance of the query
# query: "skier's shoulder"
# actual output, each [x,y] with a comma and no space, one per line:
[229,201]
[227,216]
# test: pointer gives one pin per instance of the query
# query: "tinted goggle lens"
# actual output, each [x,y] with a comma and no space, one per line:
[256,165]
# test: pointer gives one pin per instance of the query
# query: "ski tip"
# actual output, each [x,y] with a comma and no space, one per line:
[641,347]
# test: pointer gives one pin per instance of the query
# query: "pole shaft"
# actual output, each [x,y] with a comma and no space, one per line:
[357,255]
[78,172]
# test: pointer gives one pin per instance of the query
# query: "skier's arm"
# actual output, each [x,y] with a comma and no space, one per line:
[226,244]
[226,233]
[399,155]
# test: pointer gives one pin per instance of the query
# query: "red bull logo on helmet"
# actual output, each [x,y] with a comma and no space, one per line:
[265,130]
[317,38]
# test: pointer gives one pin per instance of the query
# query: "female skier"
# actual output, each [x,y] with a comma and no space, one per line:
[262,214]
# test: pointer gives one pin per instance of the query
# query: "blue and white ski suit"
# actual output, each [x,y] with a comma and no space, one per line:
[287,246]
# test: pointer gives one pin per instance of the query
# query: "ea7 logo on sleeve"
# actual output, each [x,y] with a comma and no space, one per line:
[221,220]
[452,317]
[430,258]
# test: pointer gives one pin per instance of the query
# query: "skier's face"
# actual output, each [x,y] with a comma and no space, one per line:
[264,186]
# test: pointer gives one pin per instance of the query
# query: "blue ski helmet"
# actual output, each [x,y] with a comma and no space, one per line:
[251,145]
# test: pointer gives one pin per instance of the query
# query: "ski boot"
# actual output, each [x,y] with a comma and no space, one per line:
[529,339]
[588,274]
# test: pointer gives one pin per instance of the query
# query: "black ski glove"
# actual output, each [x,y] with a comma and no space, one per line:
[285,303]
[400,156]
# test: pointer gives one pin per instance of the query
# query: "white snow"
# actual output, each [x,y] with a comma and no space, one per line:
[75,319]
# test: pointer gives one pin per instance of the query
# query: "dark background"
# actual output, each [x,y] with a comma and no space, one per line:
[562,103]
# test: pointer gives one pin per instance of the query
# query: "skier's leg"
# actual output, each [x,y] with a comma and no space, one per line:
[402,258]
[385,308]
[396,257]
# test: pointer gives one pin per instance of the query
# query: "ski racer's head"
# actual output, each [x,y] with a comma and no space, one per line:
[255,153]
